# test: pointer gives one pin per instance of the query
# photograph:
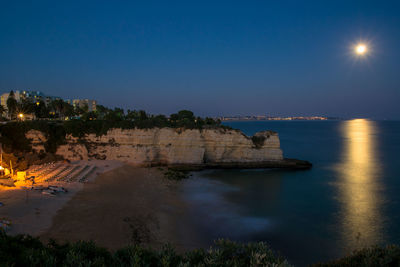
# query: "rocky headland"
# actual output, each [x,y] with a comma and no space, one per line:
[176,147]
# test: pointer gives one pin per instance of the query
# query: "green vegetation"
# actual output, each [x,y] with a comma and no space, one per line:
[16,146]
[56,108]
[13,136]
[14,141]
[373,256]
[29,251]
[106,118]
[99,122]
[12,105]
[56,118]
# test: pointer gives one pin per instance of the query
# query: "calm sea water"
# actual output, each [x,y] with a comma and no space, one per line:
[348,200]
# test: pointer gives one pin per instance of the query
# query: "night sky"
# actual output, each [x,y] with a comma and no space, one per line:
[212,57]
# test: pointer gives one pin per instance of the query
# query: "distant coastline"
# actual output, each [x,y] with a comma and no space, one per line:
[271,118]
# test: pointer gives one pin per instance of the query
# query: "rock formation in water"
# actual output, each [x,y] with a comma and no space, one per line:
[169,146]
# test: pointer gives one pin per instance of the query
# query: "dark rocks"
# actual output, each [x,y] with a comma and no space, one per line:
[292,164]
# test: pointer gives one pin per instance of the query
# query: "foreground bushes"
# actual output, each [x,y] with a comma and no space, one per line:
[29,251]
[373,256]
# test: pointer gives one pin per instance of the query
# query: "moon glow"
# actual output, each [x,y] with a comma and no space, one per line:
[361,49]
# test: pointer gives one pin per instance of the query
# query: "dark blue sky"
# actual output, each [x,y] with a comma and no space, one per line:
[213,57]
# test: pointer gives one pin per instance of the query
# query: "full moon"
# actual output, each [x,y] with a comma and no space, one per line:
[361,49]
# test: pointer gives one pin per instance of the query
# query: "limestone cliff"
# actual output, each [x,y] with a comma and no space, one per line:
[170,146]
[37,139]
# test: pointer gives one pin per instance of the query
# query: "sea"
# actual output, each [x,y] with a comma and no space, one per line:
[350,199]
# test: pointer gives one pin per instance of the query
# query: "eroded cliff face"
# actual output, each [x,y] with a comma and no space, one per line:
[171,146]
[37,139]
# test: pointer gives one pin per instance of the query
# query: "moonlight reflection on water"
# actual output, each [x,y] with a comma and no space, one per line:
[360,186]
[349,199]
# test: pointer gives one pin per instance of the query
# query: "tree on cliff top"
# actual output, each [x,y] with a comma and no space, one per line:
[184,118]
[11,105]
[40,110]
[2,110]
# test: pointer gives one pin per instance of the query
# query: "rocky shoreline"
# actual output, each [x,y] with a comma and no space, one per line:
[289,164]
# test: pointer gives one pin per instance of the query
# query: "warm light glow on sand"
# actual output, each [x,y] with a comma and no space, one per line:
[361,49]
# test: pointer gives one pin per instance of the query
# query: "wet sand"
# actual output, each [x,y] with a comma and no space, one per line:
[127,205]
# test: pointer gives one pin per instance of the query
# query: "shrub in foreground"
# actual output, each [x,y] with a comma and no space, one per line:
[29,251]
[373,256]
[24,250]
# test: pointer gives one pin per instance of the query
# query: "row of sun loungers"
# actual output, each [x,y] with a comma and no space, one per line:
[86,175]
[43,177]
[58,173]
[67,177]
[61,172]
[47,169]
[76,174]
[36,168]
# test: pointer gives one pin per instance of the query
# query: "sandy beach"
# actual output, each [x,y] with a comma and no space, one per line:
[31,212]
[127,205]
[120,205]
